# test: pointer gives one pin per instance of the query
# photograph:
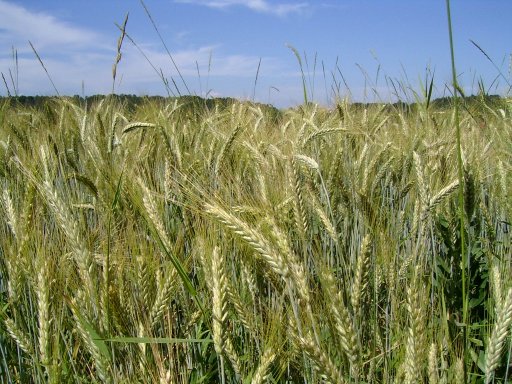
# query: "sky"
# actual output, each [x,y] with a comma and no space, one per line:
[363,50]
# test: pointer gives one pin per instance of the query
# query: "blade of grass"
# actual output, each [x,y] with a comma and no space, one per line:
[153,340]
[256,80]
[42,65]
[492,62]
[460,173]
[166,49]
[6,85]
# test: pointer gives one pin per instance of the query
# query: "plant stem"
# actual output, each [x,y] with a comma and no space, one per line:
[464,258]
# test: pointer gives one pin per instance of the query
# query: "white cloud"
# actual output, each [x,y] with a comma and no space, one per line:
[135,74]
[18,25]
[262,6]
[73,55]
[222,64]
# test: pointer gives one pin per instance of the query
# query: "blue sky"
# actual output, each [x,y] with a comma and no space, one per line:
[367,44]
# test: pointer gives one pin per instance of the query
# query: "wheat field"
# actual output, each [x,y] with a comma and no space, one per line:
[176,242]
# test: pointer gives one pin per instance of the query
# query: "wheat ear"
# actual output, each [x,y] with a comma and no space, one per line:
[19,336]
[469,194]
[439,197]
[163,295]
[68,224]
[458,374]
[225,149]
[329,227]
[233,357]
[343,324]
[498,336]
[321,361]
[413,357]
[261,372]
[11,216]
[254,239]
[299,210]
[43,306]
[360,281]
[219,291]
[244,315]
[145,280]
[321,132]
[422,185]
[497,289]
[85,329]
[433,369]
